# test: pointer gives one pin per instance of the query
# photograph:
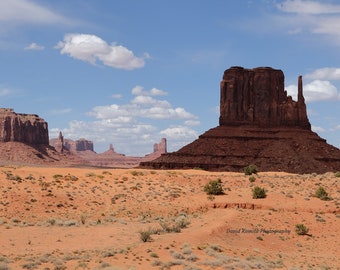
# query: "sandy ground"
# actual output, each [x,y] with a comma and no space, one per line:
[71,218]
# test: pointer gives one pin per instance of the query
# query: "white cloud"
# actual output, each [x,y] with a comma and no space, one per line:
[192,122]
[34,47]
[316,90]
[139,90]
[90,48]
[24,11]
[314,17]
[135,126]
[143,106]
[308,7]
[324,74]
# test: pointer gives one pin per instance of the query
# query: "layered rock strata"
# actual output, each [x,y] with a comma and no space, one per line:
[259,124]
[25,128]
[61,144]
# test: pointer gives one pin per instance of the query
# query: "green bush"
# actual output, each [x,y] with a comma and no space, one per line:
[301,229]
[259,193]
[250,169]
[337,174]
[214,187]
[252,179]
[322,194]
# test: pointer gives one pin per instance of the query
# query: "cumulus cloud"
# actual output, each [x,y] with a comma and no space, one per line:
[34,47]
[327,73]
[90,48]
[143,106]
[24,11]
[135,126]
[316,90]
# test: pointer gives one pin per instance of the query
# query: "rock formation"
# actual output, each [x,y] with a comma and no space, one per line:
[24,140]
[259,124]
[84,149]
[257,97]
[160,147]
[25,128]
[61,144]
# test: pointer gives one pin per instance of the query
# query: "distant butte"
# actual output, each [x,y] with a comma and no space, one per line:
[258,124]
[84,149]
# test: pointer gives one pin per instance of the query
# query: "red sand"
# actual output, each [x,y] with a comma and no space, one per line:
[70,218]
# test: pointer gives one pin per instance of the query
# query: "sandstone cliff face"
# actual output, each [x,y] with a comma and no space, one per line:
[160,147]
[25,128]
[257,97]
[259,124]
[79,145]
[61,144]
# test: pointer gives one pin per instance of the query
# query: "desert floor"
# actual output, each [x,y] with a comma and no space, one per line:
[90,218]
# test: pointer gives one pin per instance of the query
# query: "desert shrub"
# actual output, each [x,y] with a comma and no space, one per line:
[11,176]
[252,179]
[70,177]
[322,194]
[214,187]
[250,169]
[154,255]
[69,223]
[145,236]
[337,174]
[177,255]
[259,193]
[56,176]
[30,177]
[182,222]
[136,173]
[301,229]
[169,227]
[51,221]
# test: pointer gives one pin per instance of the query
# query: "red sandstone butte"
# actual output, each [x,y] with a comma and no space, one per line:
[259,124]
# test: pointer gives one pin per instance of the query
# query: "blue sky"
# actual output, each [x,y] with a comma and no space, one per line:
[130,72]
